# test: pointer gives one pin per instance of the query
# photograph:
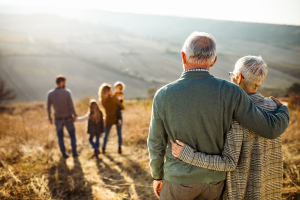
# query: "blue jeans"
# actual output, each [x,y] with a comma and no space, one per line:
[96,144]
[60,134]
[107,130]
[119,114]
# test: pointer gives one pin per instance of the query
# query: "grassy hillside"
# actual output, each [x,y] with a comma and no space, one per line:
[141,50]
[31,166]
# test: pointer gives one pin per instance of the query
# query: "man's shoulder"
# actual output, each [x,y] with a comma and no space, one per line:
[67,90]
[163,90]
[224,86]
[51,92]
[227,84]
[61,91]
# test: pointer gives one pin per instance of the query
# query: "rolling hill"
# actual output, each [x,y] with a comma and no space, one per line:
[90,47]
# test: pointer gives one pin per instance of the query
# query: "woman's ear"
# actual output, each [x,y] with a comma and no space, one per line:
[239,79]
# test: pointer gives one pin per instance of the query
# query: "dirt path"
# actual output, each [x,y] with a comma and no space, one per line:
[111,176]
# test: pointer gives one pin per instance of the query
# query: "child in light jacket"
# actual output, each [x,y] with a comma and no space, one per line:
[119,88]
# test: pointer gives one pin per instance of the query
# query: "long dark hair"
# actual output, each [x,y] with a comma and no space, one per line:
[94,111]
[104,92]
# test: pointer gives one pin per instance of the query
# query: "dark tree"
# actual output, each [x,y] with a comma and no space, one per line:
[6,94]
[294,89]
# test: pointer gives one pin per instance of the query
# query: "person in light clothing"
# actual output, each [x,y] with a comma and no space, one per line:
[95,125]
[119,88]
[253,163]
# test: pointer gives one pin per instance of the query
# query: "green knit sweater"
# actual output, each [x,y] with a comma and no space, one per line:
[190,108]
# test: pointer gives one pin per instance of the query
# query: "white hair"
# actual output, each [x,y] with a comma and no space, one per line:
[200,46]
[253,69]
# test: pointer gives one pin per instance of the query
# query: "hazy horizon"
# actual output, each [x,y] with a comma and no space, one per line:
[266,12]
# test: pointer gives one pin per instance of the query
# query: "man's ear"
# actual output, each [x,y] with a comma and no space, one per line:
[216,58]
[183,58]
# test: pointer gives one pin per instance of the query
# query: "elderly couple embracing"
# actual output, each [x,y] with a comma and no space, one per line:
[65,115]
[221,139]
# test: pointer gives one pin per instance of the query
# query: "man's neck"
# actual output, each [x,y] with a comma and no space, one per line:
[196,66]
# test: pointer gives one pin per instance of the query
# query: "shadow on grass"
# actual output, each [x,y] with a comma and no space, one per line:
[138,175]
[113,179]
[68,184]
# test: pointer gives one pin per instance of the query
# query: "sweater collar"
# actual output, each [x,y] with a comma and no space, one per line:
[195,73]
[196,69]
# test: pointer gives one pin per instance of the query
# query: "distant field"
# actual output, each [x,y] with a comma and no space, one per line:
[32,77]
[35,48]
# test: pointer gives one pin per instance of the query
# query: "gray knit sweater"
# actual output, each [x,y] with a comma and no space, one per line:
[62,102]
[197,104]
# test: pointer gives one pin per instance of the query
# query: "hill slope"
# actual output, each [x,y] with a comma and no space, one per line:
[141,50]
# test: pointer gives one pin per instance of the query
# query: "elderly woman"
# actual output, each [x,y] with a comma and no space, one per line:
[253,163]
[110,104]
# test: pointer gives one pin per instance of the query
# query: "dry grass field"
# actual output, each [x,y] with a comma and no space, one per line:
[31,166]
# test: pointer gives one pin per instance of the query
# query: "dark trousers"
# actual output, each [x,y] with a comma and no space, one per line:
[174,191]
[119,114]
[96,144]
[60,134]
[107,130]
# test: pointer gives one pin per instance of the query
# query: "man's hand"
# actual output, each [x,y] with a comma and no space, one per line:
[157,187]
[74,118]
[276,101]
[51,121]
[176,148]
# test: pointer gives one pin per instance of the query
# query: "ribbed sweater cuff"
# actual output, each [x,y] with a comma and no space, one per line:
[186,154]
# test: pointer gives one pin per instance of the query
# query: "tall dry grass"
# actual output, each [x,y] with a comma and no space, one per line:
[31,166]
[291,156]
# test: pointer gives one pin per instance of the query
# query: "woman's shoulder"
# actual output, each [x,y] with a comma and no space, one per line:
[113,98]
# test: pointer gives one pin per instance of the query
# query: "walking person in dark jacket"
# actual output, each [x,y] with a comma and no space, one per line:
[64,113]
[95,125]
[110,104]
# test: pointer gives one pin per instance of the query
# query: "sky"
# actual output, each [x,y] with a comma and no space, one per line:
[261,11]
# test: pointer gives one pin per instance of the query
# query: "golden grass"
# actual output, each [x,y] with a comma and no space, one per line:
[31,166]
[291,157]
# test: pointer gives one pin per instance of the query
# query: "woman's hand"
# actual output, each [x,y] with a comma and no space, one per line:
[176,148]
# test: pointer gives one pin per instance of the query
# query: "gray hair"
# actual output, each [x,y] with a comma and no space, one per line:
[200,46]
[253,69]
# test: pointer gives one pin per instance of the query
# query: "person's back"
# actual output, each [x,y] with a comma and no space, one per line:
[62,102]
[199,103]
[196,103]
[253,163]
[260,163]
[64,114]
[111,105]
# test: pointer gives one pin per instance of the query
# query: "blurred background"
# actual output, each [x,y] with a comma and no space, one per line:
[139,43]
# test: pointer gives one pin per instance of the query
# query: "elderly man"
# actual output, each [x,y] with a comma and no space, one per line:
[254,163]
[65,114]
[197,109]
